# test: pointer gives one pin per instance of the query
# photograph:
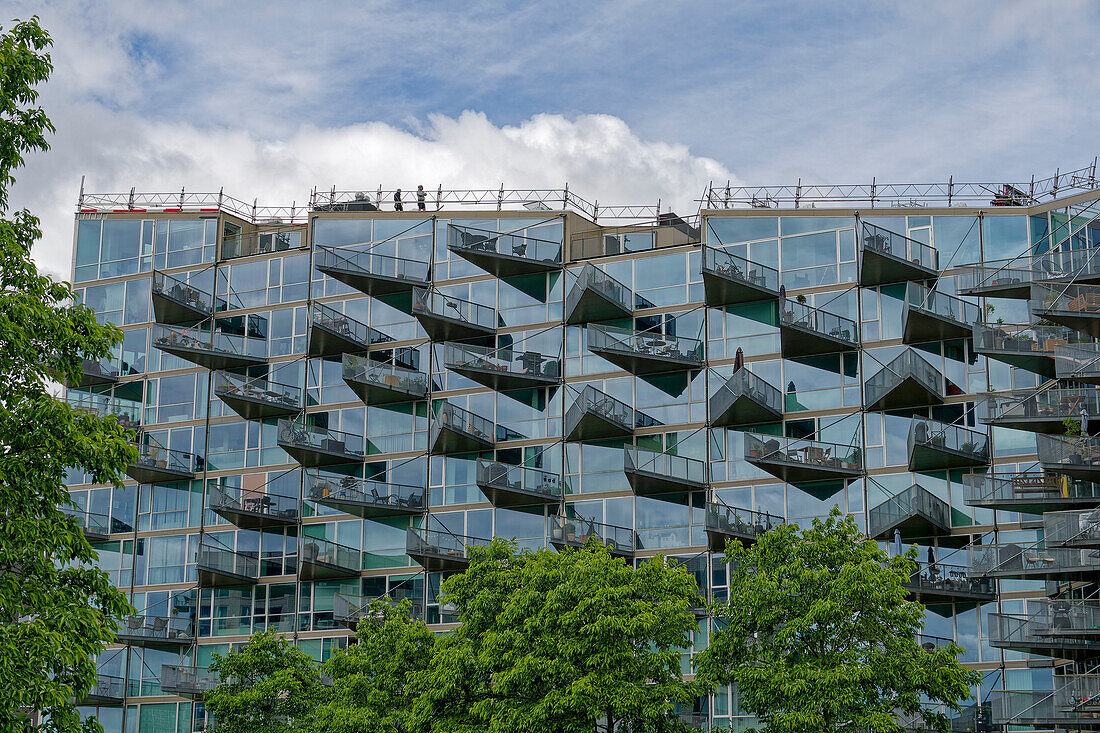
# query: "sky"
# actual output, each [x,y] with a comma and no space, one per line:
[627,101]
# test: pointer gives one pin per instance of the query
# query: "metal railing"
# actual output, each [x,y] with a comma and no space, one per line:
[390,376]
[348,609]
[420,541]
[452,417]
[366,491]
[201,338]
[743,383]
[937,435]
[738,522]
[261,389]
[153,455]
[319,551]
[313,437]
[435,303]
[982,488]
[916,501]
[1069,300]
[262,242]
[667,230]
[187,681]
[944,579]
[173,629]
[1072,528]
[1038,559]
[1068,450]
[592,400]
[1042,404]
[217,558]
[126,412]
[90,522]
[1078,693]
[680,469]
[519,478]
[1023,338]
[505,359]
[1077,361]
[182,201]
[182,291]
[593,278]
[346,326]
[800,315]
[107,687]
[1037,630]
[803,451]
[259,501]
[732,267]
[933,302]
[371,263]
[899,246]
[643,343]
[575,531]
[906,365]
[487,241]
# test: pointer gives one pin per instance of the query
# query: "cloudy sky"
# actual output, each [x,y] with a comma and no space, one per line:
[627,101]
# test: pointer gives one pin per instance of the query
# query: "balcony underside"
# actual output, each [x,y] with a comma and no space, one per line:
[504,265]
[91,376]
[103,698]
[880,268]
[1035,362]
[561,543]
[960,592]
[927,458]
[641,364]
[451,440]
[154,642]
[325,341]
[320,569]
[499,379]
[371,284]
[648,483]
[379,393]
[504,494]
[922,326]
[919,526]
[258,408]
[716,538]
[909,392]
[1050,647]
[720,290]
[1085,322]
[95,534]
[1046,424]
[796,472]
[150,473]
[795,342]
[1008,286]
[211,358]
[744,411]
[210,577]
[443,328]
[244,519]
[368,509]
[1084,471]
[1033,503]
[436,560]
[315,456]
[169,311]
[593,305]
[592,426]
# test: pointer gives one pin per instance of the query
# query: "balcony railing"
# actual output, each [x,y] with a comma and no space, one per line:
[347,610]
[437,551]
[256,243]
[997,278]
[596,296]
[95,526]
[155,631]
[505,485]
[889,257]
[1080,362]
[254,508]
[96,372]
[1054,630]
[192,682]
[220,566]
[907,381]
[935,445]
[652,472]
[446,318]
[332,332]
[455,430]
[211,349]
[1073,306]
[800,460]
[942,583]
[321,559]
[370,272]
[725,522]
[806,331]
[1025,346]
[1072,528]
[106,690]
[1078,457]
[595,415]
[915,512]
[503,254]
[178,300]
[1080,694]
[729,279]
[576,531]
[365,497]
[644,352]
[745,399]
[929,315]
[502,368]
[1033,493]
[125,411]
[257,398]
[1042,410]
[380,383]
[313,446]
[156,464]
[1036,561]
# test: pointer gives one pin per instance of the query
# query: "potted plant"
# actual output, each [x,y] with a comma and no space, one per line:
[801,299]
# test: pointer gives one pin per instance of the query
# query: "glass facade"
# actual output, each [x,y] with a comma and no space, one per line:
[333,412]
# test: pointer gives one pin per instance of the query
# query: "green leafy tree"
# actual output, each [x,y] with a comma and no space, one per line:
[267,686]
[370,679]
[818,635]
[569,642]
[57,611]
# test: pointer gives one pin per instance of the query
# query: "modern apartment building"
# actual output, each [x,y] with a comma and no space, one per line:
[336,402]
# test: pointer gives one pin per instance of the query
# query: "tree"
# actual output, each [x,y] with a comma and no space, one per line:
[571,642]
[818,635]
[370,679]
[57,611]
[267,686]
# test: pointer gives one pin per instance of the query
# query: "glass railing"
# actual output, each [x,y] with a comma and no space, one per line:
[1072,528]
[744,383]
[592,278]
[1038,559]
[679,469]
[348,609]
[1067,264]
[912,502]
[800,315]
[1069,300]
[1066,618]
[593,401]
[1077,361]
[990,488]
[319,551]
[259,502]
[644,343]
[901,247]
[519,479]
[92,523]
[183,292]
[1043,404]
[419,541]
[906,365]
[994,274]
[1079,693]
[512,245]
[575,531]
[813,453]
[437,304]
[389,376]
[1068,451]
[506,360]
[937,435]
[279,240]
[187,681]
[730,266]
[107,687]
[452,417]
[1036,631]
[348,489]
[942,579]
[167,629]
[346,326]
[154,456]
[126,412]
[737,522]
[371,263]
[1023,338]
[326,440]
[920,298]
[258,389]
[216,558]
[203,339]
[104,368]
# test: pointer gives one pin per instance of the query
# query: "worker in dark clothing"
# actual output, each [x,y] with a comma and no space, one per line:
[397,205]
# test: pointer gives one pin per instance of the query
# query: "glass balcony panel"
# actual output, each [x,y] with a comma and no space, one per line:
[1072,528]
[935,445]
[332,332]
[1025,346]
[257,398]
[506,485]
[1079,694]
[1032,493]
[211,349]
[96,373]
[917,514]
[1072,306]
[1037,561]
[1033,634]
[1040,709]
[1044,410]
[349,609]
[321,559]
[889,257]
[1078,457]
[126,412]
[806,331]
[191,682]
[725,523]
[596,296]
[95,526]
[642,352]
[941,583]
[254,508]
[365,497]
[382,383]
[997,278]
[220,566]
[800,460]
[652,472]
[156,464]
[929,315]
[729,279]
[438,551]
[745,399]
[451,319]
[369,272]
[177,300]
[107,690]
[907,381]
[314,446]
[455,430]
[595,415]
[1079,362]
[262,242]
[158,631]
[576,531]
[502,368]
[503,255]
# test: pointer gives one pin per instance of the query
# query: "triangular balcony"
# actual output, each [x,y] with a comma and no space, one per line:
[190,682]
[595,415]
[220,566]
[935,445]
[259,508]
[942,583]
[1075,456]
[800,461]
[503,254]
[806,331]
[1079,528]
[1079,362]
[1042,410]
[1037,561]
[1053,627]
[215,349]
[1072,306]
[724,523]
[446,318]
[996,279]
[1038,709]
[96,373]
[1028,347]
[729,279]
[907,381]
[383,383]
[502,368]
[439,551]
[366,498]
[369,272]
[181,299]
[596,296]
[915,513]
[348,610]
[257,398]
[455,430]
[313,446]
[332,333]
[929,315]
[95,526]
[576,531]
[156,464]
[126,411]
[106,691]
[652,472]
[1031,493]
[320,559]
[505,485]
[888,257]
[642,352]
[745,399]
[153,631]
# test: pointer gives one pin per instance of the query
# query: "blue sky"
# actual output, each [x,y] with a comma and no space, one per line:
[626,100]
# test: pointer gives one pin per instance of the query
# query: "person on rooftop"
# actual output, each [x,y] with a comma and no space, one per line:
[397,204]
[421,196]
